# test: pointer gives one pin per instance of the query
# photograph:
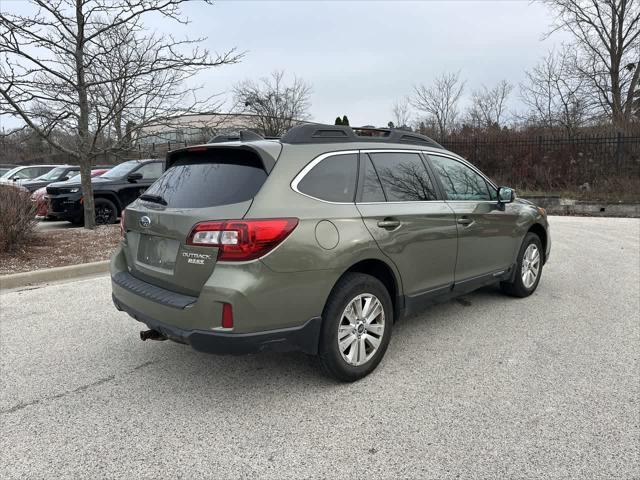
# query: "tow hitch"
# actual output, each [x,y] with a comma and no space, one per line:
[151,335]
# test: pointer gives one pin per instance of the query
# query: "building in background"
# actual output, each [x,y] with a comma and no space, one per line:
[192,129]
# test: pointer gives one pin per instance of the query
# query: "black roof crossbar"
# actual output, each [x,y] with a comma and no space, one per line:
[302,134]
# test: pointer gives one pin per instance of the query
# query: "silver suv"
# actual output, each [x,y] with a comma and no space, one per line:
[319,241]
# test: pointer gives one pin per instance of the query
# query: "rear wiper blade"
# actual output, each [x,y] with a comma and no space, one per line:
[153,198]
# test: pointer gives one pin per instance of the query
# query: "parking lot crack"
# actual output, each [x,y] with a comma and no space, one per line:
[79,389]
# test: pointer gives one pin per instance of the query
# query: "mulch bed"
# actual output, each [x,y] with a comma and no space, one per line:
[58,248]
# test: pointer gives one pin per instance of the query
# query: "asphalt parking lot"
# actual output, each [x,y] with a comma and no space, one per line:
[482,387]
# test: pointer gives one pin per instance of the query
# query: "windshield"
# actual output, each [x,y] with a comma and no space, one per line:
[94,173]
[120,170]
[52,174]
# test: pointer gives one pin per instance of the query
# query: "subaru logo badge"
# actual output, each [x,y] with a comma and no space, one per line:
[145,222]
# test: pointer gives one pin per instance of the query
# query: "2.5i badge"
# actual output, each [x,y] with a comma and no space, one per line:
[196,258]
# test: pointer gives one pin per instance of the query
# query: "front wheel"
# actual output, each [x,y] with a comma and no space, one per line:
[356,329]
[528,268]
[106,211]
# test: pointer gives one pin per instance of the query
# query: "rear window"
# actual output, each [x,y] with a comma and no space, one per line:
[333,179]
[210,178]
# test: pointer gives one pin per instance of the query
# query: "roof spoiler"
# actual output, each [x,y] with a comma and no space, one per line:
[267,151]
[243,136]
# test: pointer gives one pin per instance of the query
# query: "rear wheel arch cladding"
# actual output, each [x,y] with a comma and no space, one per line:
[327,235]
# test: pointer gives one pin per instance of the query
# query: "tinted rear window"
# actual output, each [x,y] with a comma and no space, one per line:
[371,187]
[333,179]
[404,177]
[210,178]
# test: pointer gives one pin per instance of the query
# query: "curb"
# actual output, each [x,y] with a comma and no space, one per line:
[46,275]
[556,205]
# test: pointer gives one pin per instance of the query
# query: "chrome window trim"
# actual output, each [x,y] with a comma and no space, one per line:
[390,150]
[405,201]
[309,166]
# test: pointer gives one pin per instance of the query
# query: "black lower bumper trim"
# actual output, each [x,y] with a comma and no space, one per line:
[152,292]
[304,338]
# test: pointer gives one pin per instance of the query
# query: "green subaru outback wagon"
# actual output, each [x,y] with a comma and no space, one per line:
[318,241]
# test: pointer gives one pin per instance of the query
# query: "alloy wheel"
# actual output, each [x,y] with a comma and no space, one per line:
[103,214]
[530,265]
[361,329]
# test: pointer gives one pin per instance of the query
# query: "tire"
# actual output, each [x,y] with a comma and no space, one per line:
[521,286]
[359,337]
[78,221]
[106,211]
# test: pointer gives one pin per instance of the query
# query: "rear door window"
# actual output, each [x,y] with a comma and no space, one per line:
[404,177]
[371,187]
[333,179]
[210,178]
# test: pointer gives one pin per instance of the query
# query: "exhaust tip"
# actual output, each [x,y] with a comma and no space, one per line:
[151,335]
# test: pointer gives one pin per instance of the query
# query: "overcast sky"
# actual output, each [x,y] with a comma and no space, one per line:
[360,56]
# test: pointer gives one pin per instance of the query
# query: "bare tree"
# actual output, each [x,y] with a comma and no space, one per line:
[555,93]
[75,70]
[440,101]
[402,113]
[277,106]
[606,36]
[488,106]
[636,103]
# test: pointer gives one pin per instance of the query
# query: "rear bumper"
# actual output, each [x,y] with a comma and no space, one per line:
[303,338]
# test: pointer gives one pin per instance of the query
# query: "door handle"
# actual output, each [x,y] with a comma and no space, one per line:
[389,224]
[465,221]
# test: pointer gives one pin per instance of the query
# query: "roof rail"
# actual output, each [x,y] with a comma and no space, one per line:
[341,133]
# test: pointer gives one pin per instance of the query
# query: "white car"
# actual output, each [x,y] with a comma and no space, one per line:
[25,172]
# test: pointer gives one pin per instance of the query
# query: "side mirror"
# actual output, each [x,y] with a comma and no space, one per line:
[133,177]
[506,195]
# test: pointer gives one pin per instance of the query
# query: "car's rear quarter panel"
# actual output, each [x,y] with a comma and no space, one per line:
[302,251]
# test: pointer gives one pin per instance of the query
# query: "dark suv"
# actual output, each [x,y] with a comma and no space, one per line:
[58,174]
[113,191]
[319,241]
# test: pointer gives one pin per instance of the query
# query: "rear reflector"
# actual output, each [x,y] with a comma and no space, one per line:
[227,315]
[242,240]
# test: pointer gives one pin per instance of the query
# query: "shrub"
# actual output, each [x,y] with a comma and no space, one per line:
[17,217]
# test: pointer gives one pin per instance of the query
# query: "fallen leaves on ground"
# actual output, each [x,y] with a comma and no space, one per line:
[58,248]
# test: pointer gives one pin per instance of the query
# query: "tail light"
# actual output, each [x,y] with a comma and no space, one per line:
[241,240]
[122,230]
